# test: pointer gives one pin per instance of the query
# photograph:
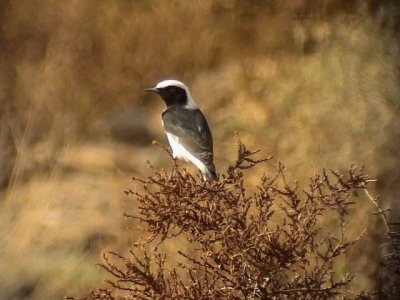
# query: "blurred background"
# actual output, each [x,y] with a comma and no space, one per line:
[315,83]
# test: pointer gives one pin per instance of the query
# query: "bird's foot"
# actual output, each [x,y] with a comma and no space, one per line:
[172,175]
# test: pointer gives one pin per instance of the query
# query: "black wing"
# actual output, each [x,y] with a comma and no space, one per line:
[191,127]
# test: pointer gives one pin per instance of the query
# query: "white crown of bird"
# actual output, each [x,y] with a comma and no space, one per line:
[172,82]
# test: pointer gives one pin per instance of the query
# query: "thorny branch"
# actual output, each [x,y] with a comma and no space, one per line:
[268,244]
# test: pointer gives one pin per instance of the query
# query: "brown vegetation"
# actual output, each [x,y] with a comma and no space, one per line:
[270,244]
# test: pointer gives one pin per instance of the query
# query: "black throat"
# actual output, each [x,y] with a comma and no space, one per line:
[173,95]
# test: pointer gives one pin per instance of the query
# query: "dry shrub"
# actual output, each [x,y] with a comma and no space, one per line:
[266,244]
[390,275]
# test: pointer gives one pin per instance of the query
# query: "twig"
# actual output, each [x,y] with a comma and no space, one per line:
[381,212]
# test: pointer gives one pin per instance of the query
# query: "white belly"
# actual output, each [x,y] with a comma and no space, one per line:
[178,151]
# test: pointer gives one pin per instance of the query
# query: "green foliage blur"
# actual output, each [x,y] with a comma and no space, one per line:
[313,83]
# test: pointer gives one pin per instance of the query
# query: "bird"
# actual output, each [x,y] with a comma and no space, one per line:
[186,127]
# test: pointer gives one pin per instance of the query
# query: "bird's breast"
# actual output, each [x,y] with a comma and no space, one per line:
[178,151]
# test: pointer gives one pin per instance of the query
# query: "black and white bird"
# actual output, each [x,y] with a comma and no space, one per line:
[186,127]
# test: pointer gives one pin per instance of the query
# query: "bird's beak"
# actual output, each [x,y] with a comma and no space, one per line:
[154,90]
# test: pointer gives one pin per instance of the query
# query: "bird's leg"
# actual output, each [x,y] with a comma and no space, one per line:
[173,172]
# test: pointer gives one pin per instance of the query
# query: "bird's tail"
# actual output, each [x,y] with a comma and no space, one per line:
[210,175]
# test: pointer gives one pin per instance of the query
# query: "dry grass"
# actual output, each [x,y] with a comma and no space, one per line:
[315,81]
